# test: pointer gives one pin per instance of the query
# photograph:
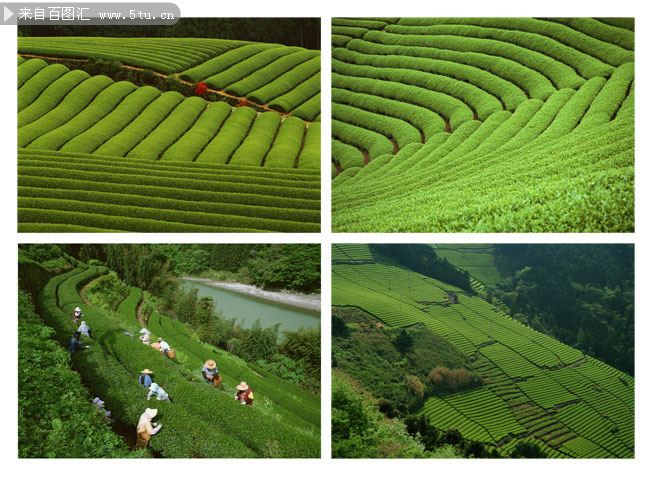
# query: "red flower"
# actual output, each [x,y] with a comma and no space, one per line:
[201,88]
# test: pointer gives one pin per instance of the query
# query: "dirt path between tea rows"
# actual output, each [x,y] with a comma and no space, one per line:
[162,75]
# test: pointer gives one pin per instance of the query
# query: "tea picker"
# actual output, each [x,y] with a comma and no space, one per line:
[145,378]
[158,391]
[244,394]
[146,428]
[165,349]
[75,343]
[77,315]
[146,336]
[84,329]
[211,373]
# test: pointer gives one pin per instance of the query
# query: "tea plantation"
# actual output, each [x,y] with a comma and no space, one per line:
[201,421]
[483,124]
[102,155]
[571,404]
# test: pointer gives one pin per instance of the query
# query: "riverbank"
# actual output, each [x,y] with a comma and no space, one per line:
[300,300]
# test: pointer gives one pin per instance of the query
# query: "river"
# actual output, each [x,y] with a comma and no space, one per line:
[247,308]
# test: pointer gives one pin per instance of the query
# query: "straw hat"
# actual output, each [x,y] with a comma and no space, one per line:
[152,412]
[210,364]
[77,309]
[159,339]
[243,386]
[83,322]
[146,370]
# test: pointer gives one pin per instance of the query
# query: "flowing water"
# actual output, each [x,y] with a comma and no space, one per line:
[246,309]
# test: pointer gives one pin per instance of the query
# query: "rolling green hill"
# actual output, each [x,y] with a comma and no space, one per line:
[533,385]
[201,421]
[148,153]
[483,124]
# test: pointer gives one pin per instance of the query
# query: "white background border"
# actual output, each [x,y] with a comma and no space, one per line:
[327,467]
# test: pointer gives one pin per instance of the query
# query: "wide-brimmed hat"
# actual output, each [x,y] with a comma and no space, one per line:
[83,322]
[77,309]
[152,412]
[146,370]
[144,330]
[210,363]
[98,401]
[242,386]
[159,339]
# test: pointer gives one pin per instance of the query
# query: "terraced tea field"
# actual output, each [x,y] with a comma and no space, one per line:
[482,124]
[476,259]
[533,386]
[201,422]
[100,155]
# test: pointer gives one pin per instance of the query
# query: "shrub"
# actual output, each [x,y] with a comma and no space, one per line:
[56,417]
[173,84]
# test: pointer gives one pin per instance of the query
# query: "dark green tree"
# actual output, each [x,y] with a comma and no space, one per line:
[403,342]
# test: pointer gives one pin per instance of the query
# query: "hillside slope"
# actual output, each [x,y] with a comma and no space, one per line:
[533,385]
[482,124]
[201,421]
[100,155]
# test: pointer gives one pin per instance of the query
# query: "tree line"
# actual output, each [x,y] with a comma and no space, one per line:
[583,295]
[301,32]
[422,258]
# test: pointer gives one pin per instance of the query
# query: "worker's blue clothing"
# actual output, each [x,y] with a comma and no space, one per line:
[209,371]
[75,346]
[145,380]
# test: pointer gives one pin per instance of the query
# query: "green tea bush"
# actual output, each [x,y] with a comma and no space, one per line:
[270,73]
[70,106]
[310,110]
[56,417]
[237,432]
[38,82]
[51,96]
[258,141]
[310,155]
[288,142]
[30,68]
[170,129]
[247,67]
[154,113]
[131,106]
[230,136]
[188,147]
[103,103]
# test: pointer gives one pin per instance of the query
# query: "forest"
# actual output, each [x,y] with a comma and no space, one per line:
[592,293]
[301,32]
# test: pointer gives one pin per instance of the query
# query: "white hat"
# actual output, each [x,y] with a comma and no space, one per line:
[243,386]
[83,322]
[144,330]
[152,412]
[77,309]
